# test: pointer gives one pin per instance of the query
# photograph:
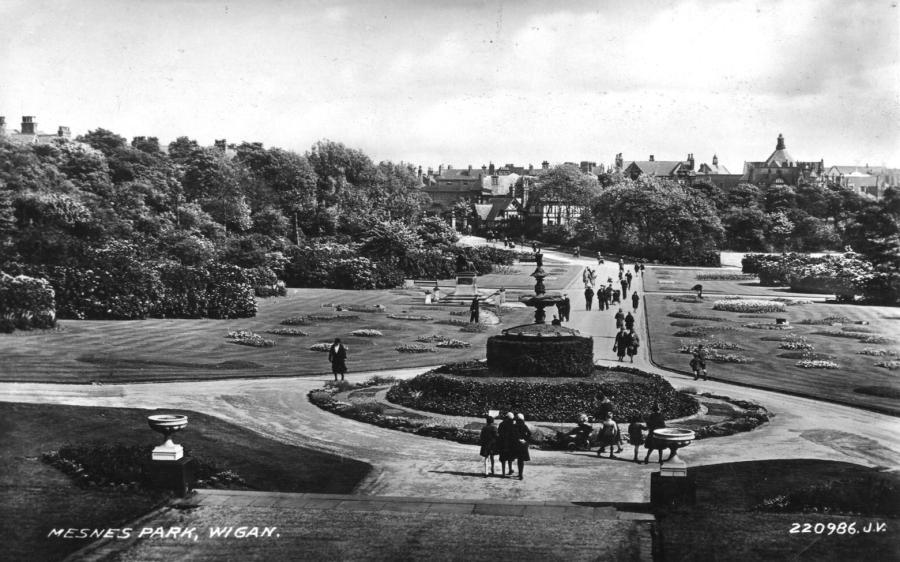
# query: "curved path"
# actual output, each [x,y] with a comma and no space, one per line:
[408,465]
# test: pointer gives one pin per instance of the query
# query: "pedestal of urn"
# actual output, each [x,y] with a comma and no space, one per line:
[167,424]
[672,485]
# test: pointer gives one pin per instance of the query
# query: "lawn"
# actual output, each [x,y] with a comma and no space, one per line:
[682,279]
[35,497]
[162,349]
[724,526]
[857,380]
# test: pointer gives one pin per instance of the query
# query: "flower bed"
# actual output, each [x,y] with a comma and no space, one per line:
[246,337]
[876,340]
[454,344]
[702,331]
[413,348]
[453,322]
[709,343]
[683,313]
[693,299]
[433,338]
[365,333]
[817,364]
[324,346]
[287,332]
[542,401]
[768,326]
[474,327]
[878,352]
[858,329]
[796,345]
[806,354]
[332,317]
[361,308]
[297,321]
[892,365]
[749,305]
[827,321]
[414,317]
[725,277]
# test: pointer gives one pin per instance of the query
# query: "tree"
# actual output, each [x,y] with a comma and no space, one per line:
[780,228]
[567,187]
[343,177]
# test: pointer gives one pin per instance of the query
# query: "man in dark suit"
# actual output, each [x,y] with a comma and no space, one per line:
[337,356]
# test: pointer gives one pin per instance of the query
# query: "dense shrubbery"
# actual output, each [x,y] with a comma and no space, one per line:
[544,401]
[571,356]
[26,303]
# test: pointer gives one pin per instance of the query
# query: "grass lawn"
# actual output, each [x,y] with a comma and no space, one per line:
[160,349]
[35,497]
[664,280]
[722,526]
[775,368]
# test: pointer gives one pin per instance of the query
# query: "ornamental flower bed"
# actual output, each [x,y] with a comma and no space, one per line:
[332,317]
[817,364]
[798,344]
[433,338]
[541,401]
[768,326]
[297,321]
[876,340]
[701,331]
[287,332]
[246,337]
[683,313]
[474,327]
[454,344]
[725,277]
[365,333]
[827,321]
[325,346]
[892,365]
[368,308]
[878,352]
[709,343]
[728,357]
[453,322]
[413,348]
[413,317]
[749,305]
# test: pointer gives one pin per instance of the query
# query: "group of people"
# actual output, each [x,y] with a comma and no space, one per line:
[507,440]
[610,436]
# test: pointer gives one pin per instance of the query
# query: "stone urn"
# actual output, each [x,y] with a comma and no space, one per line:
[674,438]
[167,424]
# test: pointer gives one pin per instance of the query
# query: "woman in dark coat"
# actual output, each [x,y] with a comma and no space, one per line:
[635,300]
[588,297]
[623,340]
[654,422]
[521,434]
[505,441]
[337,356]
[488,441]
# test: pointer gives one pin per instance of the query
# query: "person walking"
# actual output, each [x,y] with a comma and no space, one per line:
[654,422]
[505,446]
[488,441]
[642,269]
[620,319]
[564,307]
[633,344]
[637,269]
[621,265]
[628,278]
[629,322]
[624,284]
[521,434]
[337,356]
[698,362]
[602,299]
[609,436]
[588,297]
[623,340]
[474,311]
[636,435]
[635,300]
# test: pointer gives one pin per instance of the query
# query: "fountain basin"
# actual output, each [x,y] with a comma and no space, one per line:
[674,436]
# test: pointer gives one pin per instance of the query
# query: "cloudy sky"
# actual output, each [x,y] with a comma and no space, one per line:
[465,82]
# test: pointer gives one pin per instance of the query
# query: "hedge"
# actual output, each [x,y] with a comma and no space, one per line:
[26,303]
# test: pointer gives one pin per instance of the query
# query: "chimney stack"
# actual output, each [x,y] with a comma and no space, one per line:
[651,158]
[220,144]
[29,125]
[545,165]
[63,132]
[419,172]
[2,125]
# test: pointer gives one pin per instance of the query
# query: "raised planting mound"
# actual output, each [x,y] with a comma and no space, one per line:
[471,389]
[541,350]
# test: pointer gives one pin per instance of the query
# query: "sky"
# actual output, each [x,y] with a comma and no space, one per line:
[469,82]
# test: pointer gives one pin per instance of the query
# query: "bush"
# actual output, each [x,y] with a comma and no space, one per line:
[567,356]
[229,293]
[749,305]
[265,283]
[26,303]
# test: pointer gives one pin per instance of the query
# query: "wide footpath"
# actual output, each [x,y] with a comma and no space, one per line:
[426,497]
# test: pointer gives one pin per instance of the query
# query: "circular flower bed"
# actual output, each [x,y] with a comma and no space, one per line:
[320,347]
[287,332]
[448,391]
[817,364]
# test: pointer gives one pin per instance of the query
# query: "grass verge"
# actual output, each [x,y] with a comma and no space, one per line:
[35,497]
